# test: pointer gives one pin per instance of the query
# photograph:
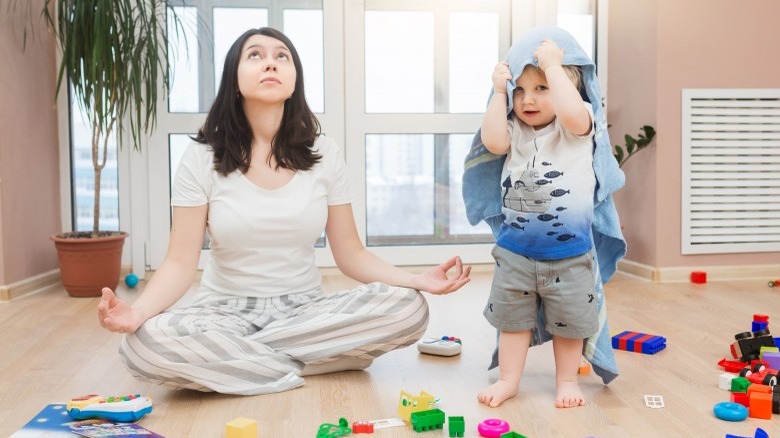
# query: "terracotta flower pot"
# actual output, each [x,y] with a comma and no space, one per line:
[88,264]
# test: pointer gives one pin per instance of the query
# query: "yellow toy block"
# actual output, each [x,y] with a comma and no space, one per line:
[241,428]
[409,403]
[765,349]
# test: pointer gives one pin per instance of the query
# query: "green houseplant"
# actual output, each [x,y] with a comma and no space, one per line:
[115,59]
[633,145]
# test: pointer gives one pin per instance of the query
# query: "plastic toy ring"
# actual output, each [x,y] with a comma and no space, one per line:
[492,428]
[730,411]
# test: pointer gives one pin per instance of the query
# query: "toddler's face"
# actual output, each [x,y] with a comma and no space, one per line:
[531,100]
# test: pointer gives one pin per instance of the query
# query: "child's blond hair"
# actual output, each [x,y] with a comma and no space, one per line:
[572,71]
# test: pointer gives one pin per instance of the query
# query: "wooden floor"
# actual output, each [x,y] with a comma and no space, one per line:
[52,349]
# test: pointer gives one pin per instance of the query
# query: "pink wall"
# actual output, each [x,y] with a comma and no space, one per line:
[657,48]
[29,157]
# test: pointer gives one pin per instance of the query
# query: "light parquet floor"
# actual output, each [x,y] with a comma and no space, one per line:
[52,349]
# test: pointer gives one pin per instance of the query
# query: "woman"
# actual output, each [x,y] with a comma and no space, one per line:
[265,184]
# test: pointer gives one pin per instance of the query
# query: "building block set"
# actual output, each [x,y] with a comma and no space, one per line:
[751,379]
[638,342]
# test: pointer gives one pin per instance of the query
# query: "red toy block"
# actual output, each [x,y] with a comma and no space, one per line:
[757,317]
[741,398]
[698,277]
[362,427]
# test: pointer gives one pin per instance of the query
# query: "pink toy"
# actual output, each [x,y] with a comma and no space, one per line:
[492,428]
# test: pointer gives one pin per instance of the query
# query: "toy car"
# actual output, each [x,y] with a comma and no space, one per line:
[759,373]
[748,344]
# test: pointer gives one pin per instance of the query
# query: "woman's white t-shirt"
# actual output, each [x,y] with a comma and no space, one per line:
[262,241]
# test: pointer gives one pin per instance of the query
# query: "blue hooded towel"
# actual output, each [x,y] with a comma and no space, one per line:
[482,188]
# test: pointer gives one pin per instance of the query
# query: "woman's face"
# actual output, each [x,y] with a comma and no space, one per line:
[266,72]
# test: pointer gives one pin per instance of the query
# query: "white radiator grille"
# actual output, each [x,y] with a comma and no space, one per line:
[731,170]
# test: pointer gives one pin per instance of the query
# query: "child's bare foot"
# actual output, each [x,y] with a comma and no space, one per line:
[497,393]
[569,395]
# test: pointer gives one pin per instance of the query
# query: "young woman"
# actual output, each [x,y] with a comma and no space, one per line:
[264,183]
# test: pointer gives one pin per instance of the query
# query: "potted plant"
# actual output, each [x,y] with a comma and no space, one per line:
[115,59]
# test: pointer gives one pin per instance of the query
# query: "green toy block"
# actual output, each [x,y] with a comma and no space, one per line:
[427,420]
[739,384]
[512,434]
[456,426]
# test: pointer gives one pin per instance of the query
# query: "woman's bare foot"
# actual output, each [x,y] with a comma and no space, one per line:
[497,393]
[569,395]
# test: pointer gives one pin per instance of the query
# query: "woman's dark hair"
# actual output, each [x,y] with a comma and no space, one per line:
[228,132]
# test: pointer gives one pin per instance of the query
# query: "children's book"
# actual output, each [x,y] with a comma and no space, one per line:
[53,421]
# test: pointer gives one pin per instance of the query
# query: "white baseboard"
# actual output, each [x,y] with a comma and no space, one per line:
[30,285]
[678,274]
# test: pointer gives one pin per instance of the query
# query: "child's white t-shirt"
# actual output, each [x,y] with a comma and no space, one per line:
[547,188]
[262,241]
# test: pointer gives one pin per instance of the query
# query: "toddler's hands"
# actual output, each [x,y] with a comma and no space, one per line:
[501,75]
[548,54]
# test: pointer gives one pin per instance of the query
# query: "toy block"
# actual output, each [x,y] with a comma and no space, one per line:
[739,384]
[766,349]
[724,382]
[584,368]
[512,434]
[456,426]
[408,403]
[698,277]
[427,420]
[760,317]
[362,427]
[638,342]
[241,428]
[741,398]
[756,326]
[760,405]
[757,387]
[772,359]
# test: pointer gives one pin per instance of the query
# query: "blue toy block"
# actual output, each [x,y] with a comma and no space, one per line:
[638,342]
[758,325]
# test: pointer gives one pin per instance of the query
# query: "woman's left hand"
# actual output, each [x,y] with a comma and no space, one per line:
[436,280]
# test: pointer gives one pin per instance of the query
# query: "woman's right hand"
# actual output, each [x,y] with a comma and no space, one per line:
[116,315]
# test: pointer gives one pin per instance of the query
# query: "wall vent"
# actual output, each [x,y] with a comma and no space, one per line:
[730,170]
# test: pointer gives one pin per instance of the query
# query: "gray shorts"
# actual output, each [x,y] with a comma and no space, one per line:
[566,288]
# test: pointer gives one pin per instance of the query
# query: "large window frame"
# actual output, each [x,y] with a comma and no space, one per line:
[143,177]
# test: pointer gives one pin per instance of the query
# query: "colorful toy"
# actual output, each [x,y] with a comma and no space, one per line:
[362,427]
[773,283]
[328,430]
[131,280]
[698,277]
[760,374]
[747,346]
[654,401]
[446,346]
[408,403]
[730,411]
[760,433]
[760,405]
[732,366]
[638,342]
[241,428]
[456,426]
[492,428]
[122,409]
[512,434]
[427,420]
